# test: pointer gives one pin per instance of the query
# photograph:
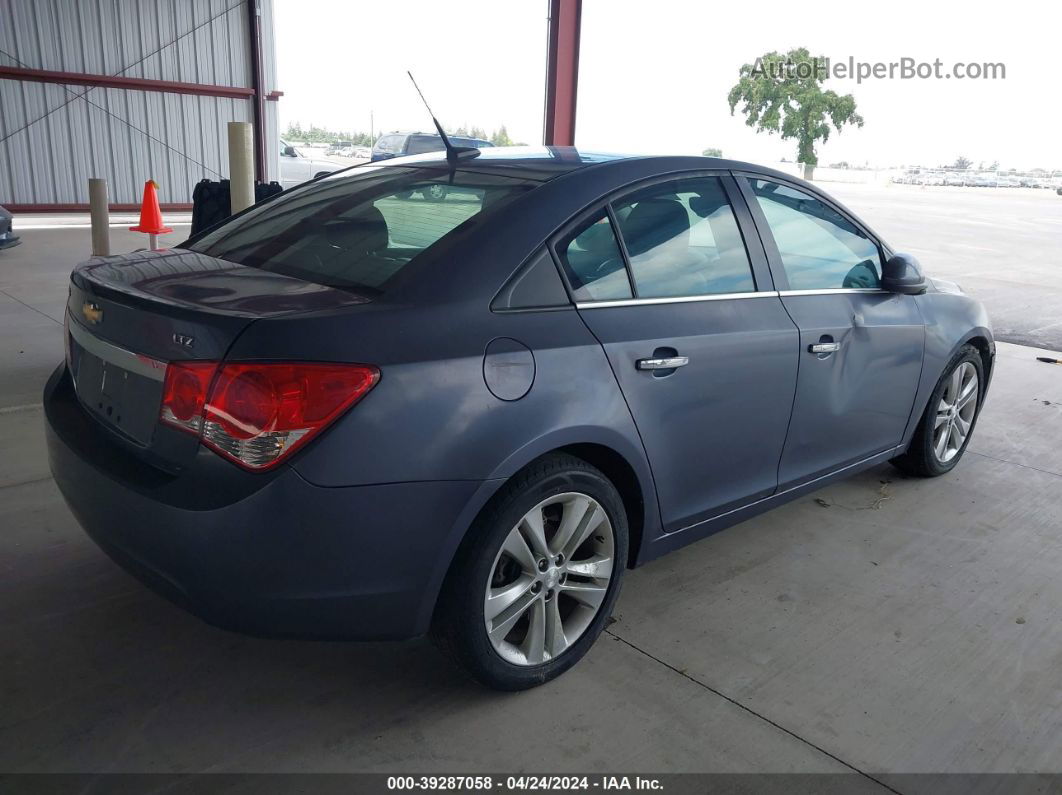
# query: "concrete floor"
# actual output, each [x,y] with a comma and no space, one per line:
[883,625]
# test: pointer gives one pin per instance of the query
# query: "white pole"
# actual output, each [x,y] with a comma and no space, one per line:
[241,165]
[100,217]
[153,242]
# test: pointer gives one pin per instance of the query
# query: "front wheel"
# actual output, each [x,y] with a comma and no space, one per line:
[534,582]
[948,421]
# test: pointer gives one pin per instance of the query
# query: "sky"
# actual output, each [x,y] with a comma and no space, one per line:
[654,76]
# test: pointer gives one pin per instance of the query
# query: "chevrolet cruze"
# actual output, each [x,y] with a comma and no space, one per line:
[348,413]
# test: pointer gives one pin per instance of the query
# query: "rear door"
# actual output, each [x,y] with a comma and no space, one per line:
[699,342]
[860,347]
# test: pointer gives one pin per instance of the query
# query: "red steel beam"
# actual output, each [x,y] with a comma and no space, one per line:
[130,83]
[562,71]
[258,114]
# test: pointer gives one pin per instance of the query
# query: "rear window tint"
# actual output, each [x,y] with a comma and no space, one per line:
[358,231]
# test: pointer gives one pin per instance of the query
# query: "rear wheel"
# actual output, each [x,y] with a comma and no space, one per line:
[536,579]
[948,421]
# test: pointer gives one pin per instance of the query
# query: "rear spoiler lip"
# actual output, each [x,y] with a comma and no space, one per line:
[272,293]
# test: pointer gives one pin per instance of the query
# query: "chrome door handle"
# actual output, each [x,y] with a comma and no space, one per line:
[668,363]
[824,347]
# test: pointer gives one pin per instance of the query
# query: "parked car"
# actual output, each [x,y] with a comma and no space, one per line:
[403,144]
[362,152]
[296,168]
[400,144]
[341,416]
[954,178]
[8,239]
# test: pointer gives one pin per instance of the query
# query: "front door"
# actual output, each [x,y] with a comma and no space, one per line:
[703,350]
[860,347]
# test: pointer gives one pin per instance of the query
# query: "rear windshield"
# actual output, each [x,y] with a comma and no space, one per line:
[357,231]
[419,144]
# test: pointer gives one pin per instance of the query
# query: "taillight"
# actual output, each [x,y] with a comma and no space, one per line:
[257,413]
[184,393]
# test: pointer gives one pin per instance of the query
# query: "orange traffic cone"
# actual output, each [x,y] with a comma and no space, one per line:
[151,215]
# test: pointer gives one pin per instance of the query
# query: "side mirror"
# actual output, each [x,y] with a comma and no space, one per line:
[902,274]
[289,151]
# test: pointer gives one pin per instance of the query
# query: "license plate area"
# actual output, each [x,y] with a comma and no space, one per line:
[120,388]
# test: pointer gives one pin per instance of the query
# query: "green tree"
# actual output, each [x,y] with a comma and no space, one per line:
[781,93]
[316,135]
[500,137]
[962,163]
[712,151]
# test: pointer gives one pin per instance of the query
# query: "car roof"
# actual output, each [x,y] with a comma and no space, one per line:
[547,162]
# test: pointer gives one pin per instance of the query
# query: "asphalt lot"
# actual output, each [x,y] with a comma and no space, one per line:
[1003,245]
[881,625]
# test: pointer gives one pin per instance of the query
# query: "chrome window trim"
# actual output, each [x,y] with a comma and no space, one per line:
[127,360]
[679,299]
[832,290]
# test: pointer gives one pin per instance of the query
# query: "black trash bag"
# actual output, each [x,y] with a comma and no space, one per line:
[211,201]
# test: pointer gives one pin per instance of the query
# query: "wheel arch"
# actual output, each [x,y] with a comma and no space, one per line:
[986,348]
[622,460]
[622,475]
[937,355]
[623,463]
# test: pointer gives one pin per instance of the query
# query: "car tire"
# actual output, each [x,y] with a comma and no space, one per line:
[435,193]
[936,446]
[517,648]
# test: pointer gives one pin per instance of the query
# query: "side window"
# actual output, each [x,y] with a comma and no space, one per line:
[820,249]
[593,262]
[683,240]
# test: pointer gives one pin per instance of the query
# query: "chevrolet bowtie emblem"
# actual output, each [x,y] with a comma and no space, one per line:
[92,311]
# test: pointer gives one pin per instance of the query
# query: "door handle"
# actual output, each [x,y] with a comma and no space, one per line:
[824,347]
[666,363]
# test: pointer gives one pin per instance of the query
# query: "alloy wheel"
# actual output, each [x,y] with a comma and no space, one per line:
[955,412]
[549,579]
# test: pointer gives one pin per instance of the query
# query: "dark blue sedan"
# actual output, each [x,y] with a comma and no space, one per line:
[354,412]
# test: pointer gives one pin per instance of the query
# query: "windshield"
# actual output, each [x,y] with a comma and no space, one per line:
[357,231]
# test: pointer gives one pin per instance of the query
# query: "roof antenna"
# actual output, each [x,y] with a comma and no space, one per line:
[453,153]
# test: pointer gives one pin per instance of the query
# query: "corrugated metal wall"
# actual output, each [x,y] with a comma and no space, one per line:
[54,137]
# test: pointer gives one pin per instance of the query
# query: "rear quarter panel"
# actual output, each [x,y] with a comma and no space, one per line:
[431,416]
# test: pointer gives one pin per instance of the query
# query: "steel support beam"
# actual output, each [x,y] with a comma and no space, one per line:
[254,19]
[128,83]
[562,71]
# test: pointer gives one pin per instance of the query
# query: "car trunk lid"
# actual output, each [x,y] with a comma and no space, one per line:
[128,316]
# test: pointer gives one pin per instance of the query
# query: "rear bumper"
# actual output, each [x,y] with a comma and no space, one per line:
[287,559]
[7,237]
